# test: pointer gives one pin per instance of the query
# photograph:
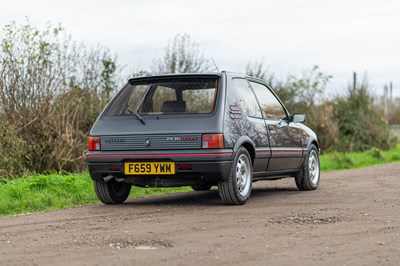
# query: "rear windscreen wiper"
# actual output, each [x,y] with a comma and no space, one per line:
[141,119]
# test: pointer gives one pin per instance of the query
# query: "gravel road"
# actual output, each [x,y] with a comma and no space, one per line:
[352,219]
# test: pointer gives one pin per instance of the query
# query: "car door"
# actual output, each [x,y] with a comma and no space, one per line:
[284,136]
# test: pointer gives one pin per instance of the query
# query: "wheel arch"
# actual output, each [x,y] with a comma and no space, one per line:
[316,144]
[247,143]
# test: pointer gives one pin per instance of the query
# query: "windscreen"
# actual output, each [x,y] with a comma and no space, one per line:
[181,96]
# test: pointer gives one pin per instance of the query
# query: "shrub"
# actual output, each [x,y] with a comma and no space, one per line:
[51,91]
[375,153]
[304,94]
[13,150]
[361,127]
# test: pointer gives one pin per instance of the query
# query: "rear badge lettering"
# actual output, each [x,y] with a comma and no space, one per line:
[188,138]
[115,140]
[174,139]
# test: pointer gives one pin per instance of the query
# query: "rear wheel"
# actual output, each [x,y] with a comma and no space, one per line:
[236,189]
[308,176]
[111,192]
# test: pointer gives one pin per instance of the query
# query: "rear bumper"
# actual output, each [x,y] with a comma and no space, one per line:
[205,165]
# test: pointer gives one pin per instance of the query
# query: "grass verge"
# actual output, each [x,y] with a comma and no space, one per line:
[340,160]
[50,192]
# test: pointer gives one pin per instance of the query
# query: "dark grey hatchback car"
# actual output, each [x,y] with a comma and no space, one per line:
[200,130]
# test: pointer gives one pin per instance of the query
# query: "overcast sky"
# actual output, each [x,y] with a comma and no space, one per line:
[340,36]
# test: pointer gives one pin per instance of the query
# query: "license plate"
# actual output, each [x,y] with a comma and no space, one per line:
[149,168]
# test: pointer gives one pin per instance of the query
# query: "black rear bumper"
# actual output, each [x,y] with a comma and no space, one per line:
[201,171]
[206,166]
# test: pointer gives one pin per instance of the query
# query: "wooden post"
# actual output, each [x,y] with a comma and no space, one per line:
[385,100]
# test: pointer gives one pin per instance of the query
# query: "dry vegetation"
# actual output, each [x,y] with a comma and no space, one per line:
[52,89]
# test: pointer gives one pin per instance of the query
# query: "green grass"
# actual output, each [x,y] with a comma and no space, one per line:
[50,192]
[340,160]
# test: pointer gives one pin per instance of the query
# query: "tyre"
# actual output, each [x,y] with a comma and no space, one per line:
[201,187]
[236,189]
[309,174]
[111,192]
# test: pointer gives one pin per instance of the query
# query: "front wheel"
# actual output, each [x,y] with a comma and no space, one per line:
[309,174]
[111,192]
[237,188]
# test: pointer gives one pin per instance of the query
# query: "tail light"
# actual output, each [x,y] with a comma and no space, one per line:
[212,141]
[94,144]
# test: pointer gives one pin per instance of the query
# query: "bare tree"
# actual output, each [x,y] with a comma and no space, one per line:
[181,56]
[256,69]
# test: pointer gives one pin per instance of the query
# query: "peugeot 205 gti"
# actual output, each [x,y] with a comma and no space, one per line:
[200,130]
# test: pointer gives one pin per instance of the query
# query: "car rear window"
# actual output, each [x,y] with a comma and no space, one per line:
[181,96]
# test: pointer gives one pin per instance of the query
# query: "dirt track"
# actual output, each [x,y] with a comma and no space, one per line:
[352,219]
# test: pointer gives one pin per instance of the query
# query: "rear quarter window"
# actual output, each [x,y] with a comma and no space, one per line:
[247,99]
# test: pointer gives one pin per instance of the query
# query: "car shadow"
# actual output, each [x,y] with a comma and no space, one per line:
[208,198]
[189,198]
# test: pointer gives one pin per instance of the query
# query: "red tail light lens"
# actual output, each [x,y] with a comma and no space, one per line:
[94,143]
[212,141]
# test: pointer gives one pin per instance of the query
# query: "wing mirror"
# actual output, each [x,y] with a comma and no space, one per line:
[298,118]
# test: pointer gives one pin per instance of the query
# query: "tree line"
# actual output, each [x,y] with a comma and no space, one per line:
[53,88]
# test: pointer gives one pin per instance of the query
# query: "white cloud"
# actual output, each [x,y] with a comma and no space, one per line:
[340,36]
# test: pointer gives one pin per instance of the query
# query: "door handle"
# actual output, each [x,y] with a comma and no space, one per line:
[281,124]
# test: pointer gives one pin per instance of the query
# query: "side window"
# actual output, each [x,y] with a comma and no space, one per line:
[270,105]
[247,98]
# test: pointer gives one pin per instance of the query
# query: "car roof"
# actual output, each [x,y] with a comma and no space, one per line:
[194,75]
[173,76]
